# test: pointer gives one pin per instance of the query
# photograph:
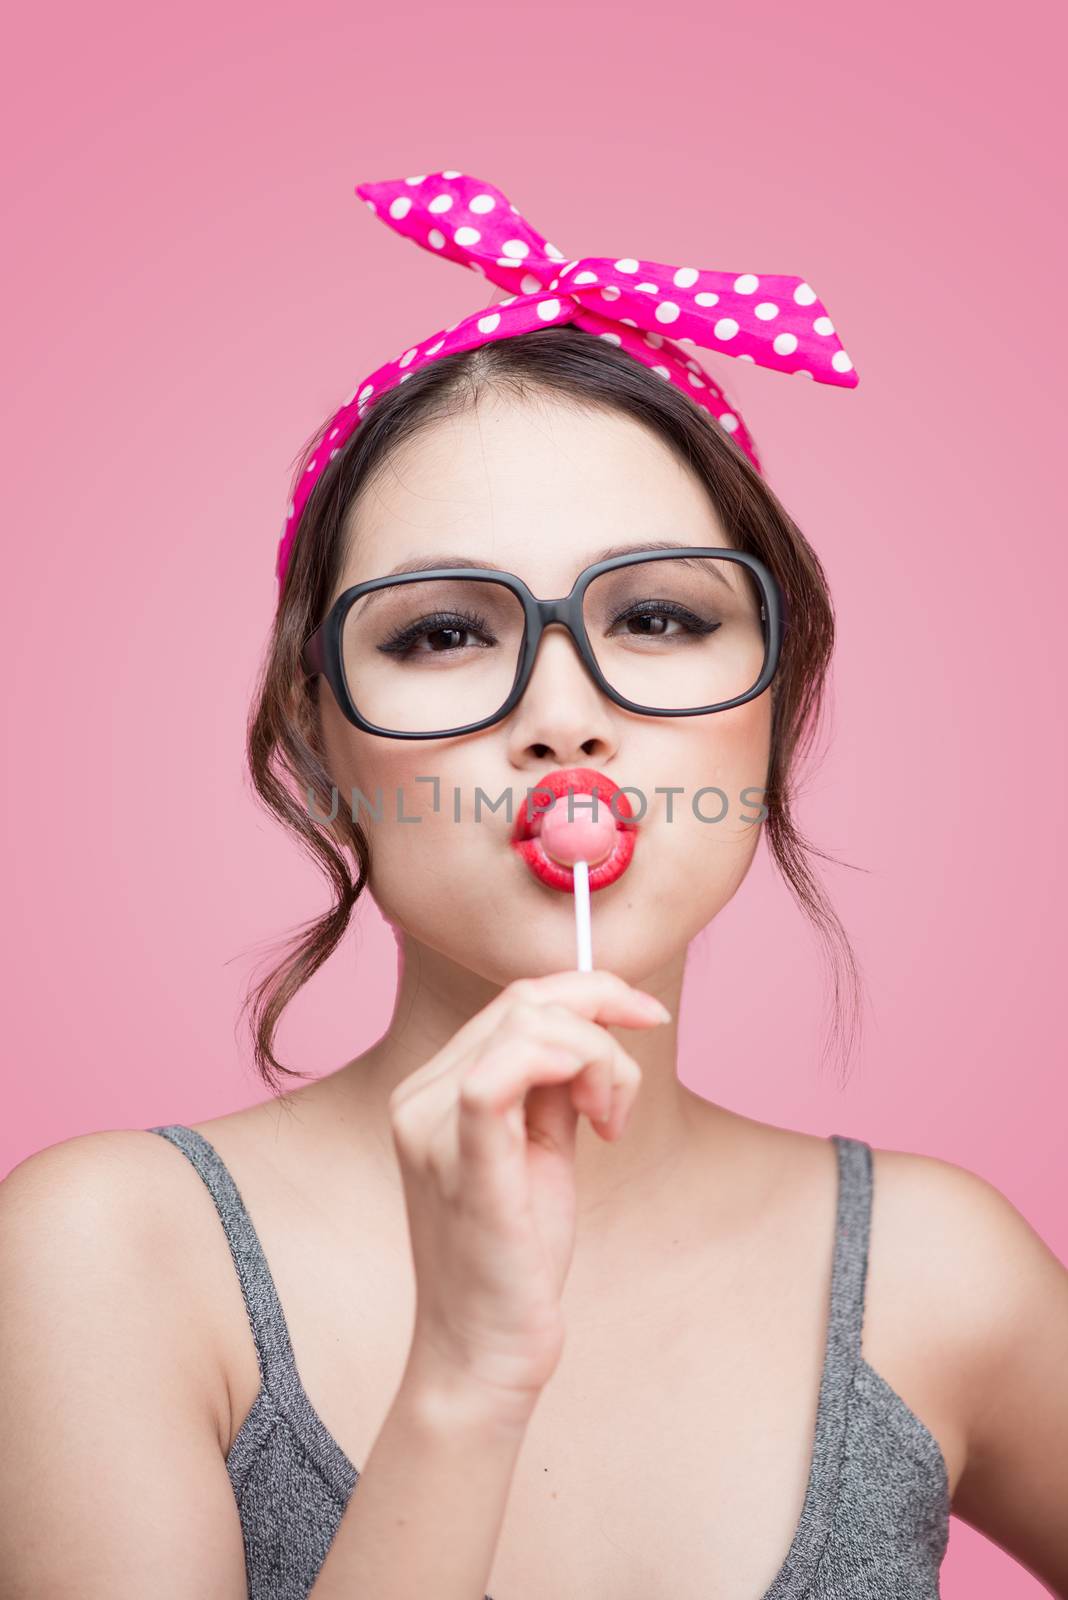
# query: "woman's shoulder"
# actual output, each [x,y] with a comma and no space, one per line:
[918,1199]
[971,1252]
[114,1207]
[111,1176]
[947,1249]
[959,1272]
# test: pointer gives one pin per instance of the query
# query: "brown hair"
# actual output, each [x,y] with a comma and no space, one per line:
[285,750]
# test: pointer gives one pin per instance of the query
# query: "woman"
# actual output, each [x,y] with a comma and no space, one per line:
[579,1330]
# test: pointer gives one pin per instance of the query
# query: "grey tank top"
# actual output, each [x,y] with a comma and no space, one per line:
[874,1522]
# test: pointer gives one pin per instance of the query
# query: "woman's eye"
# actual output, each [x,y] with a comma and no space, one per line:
[445,638]
[651,621]
[441,637]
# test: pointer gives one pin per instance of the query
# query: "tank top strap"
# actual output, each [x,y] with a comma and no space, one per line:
[266,1318]
[850,1269]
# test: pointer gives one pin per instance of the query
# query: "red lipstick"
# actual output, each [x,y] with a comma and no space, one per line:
[580,781]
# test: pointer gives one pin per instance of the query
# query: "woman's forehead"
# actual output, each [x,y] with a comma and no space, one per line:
[513,482]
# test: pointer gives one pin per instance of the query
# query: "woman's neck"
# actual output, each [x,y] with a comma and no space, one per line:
[622,1185]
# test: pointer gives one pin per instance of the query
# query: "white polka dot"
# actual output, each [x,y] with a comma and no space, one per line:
[685,278]
[436,238]
[653,340]
[452,174]
[420,178]
[554,254]
[729,421]
[666,311]
[628,264]
[697,382]
[611,292]
[725,328]
[554,283]
[706,298]
[748,358]
[290,509]
[335,431]
[804,295]
[404,377]
[823,325]
[440,202]
[548,309]
[335,451]
[647,288]
[629,321]
[400,207]
[612,338]
[509,302]
[488,324]
[365,393]
[841,362]
[481,203]
[766,310]
[801,372]
[503,261]
[694,366]
[785,344]
[565,270]
[530,284]
[467,236]
[684,338]
[663,371]
[515,249]
[311,465]
[746,283]
[434,348]
[585,277]
[371,206]
[407,357]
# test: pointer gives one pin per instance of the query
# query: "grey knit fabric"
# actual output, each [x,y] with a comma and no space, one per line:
[875,1520]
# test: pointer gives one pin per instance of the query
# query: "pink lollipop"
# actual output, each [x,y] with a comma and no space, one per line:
[578,840]
[582,837]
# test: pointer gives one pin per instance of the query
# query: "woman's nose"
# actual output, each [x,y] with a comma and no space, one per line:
[562,712]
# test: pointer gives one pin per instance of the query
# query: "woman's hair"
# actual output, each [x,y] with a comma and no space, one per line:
[285,748]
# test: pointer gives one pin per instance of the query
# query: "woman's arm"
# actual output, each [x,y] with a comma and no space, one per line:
[1009,1294]
[113,1482]
[113,1416]
[426,1514]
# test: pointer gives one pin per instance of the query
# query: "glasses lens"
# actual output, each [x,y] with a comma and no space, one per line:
[677,633]
[432,654]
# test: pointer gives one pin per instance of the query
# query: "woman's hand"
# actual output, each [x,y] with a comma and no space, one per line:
[485,1136]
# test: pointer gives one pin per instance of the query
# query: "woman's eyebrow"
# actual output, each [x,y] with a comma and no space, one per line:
[421,563]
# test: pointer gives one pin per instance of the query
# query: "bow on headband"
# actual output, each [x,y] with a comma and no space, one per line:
[774,321]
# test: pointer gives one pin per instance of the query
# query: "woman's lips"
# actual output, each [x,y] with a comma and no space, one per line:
[581,781]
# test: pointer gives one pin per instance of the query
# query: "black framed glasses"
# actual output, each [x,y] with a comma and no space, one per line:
[678,632]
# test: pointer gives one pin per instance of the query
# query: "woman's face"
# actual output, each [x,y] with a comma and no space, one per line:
[539,489]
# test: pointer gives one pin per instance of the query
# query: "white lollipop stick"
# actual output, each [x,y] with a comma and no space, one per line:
[577,841]
[582,916]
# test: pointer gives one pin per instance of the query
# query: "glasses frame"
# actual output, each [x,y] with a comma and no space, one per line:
[321,651]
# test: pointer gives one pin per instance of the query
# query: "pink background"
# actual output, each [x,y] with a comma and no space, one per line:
[186,255]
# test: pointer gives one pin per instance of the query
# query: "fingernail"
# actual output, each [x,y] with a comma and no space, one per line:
[655,1008]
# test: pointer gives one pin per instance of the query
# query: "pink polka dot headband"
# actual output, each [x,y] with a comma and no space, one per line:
[771,320]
